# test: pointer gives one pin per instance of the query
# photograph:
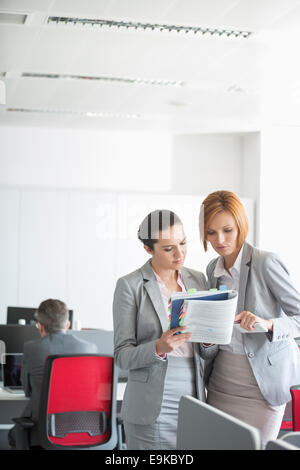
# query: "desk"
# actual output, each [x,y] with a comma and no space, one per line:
[11,406]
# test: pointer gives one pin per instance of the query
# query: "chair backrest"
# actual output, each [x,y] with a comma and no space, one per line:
[292,438]
[295,392]
[104,340]
[78,402]
[280,445]
[203,427]
[287,420]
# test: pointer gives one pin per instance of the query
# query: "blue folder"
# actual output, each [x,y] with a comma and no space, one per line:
[177,304]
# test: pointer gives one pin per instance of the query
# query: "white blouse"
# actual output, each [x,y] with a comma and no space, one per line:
[232,281]
[186,349]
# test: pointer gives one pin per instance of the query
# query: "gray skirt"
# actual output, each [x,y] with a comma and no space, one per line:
[179,381]
[233,389]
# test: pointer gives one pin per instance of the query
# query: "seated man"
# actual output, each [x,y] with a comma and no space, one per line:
[53,321]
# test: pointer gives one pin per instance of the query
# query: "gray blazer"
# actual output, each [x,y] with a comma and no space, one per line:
[266,290]
[34,356]
[139,320]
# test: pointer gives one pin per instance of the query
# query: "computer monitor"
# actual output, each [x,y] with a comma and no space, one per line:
[14,314]
[11,371]
[14,337]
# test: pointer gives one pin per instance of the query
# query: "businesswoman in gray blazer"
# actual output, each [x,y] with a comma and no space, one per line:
[162,365]
[251,376]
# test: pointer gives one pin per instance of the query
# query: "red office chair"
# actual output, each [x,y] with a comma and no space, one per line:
[291,410]
[287,420]
[77,403]
[295,392]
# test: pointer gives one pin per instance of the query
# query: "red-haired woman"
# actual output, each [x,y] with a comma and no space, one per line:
[251,377]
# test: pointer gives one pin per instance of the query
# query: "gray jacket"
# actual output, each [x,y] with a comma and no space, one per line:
[35,353]
[139,320]
[266,290]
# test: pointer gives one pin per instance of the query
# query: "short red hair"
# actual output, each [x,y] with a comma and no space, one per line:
[223,201]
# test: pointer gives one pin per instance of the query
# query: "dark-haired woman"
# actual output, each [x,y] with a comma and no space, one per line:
[162,365]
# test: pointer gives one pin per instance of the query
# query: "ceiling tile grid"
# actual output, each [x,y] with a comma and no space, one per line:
[220,76]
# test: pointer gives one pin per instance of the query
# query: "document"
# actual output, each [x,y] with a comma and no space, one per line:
[208,316]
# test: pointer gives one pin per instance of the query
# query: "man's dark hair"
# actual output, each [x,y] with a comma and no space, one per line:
[53,314]
[154,223]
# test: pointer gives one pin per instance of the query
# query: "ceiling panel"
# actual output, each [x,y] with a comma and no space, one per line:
[126,54]
[241,65]
[106,98]
[29,93]
[89,8]
[17,43]
[198,12]
[222,75]
[188,12]
[257,14]
[289,22]
[25,5]
[130,10]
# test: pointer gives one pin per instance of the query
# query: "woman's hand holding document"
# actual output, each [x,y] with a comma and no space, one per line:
[209,316]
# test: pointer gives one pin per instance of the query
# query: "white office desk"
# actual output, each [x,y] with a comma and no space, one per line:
[5,395]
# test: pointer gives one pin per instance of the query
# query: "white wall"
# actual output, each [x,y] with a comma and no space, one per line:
[73,245]
[71,202]
[53,158]
[251,175]
[207,163]
[280,149]
[9,249]
[251,152]
[279,214]
[140,161]
[210,162]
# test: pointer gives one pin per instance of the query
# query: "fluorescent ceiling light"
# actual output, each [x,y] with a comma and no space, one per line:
[12,18]
[62,20]
[74,113]
[137,81]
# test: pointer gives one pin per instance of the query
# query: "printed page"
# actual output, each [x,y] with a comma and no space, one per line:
[210,321]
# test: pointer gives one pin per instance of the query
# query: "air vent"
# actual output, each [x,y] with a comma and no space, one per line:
[237,89]
[69,112]
[12,18]
[133,81]
[85,22]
